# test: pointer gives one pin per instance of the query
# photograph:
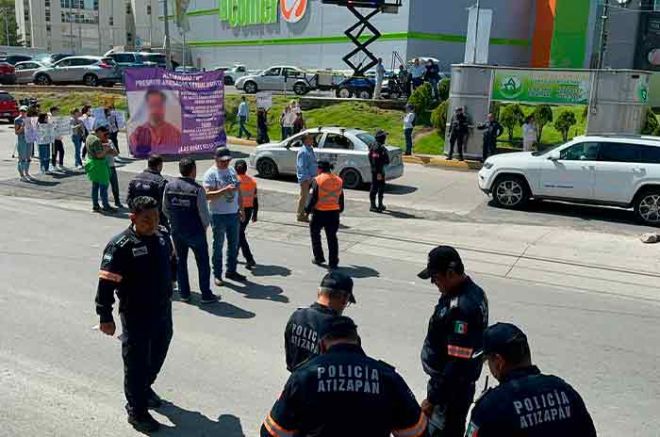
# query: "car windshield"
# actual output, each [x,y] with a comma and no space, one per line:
[366,138]
[4,97]
[546,151]
[156,57]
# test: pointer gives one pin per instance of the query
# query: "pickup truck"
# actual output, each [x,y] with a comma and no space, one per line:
[233,73]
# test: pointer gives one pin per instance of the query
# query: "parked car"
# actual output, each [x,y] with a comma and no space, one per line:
[356,86]
[347,149]
[233,73]
[157,59]
[619,171]
[126,60]
[15,59]
[88,70]
[50,59]
[7,73]
[8,106]
[275,79]
[25,71]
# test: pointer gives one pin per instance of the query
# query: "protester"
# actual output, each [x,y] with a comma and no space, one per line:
[432,76]
[226,206]
[299,122]
[306,170]
[58,145]
[458,131]
[111,116]
[23,148]
[380,76]
[97,168]
[530,134]
[77,136]
[288,120]
[262,126]
[408,126]
[492,129]
[44,148]
[250,200]
[84,115]
[114,180]
[243,113]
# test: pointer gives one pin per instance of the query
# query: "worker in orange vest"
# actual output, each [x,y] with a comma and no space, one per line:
[325,204]
[248,190]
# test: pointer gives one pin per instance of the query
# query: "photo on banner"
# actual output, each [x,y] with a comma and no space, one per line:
[174,113]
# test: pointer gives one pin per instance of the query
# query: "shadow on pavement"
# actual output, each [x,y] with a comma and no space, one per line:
[253,290]
[358,271]
[263,270]
[194,423]
[399,214]
[223,309]
[399,189]
[40,183]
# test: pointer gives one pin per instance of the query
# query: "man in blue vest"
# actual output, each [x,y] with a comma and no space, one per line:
[184,203]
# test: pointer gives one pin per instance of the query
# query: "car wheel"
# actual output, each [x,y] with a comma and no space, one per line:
[647,207]
[344,93]
[300,89]
[90,80]
[352,178]
[267,168]
[510,192]
[250,87]
[364,94]
[42,79]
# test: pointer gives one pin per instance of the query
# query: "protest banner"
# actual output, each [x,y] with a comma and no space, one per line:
[174,113]
[45,133]
[264,100]
[99,117]
[31,130]
[89,123]
[61,126]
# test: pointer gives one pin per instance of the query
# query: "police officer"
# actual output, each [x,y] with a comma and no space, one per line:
[458,131]
[526,403]
[455,331]
[492,129]
[379,158]
[150,183]
[184,204]
[326,203]
[345,393]
[302,334]
[139,265]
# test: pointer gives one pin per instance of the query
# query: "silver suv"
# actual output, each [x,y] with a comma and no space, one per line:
[88,70]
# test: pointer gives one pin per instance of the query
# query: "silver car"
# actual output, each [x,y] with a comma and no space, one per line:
[347,149]
[88,70]
[26,69]
[276,79]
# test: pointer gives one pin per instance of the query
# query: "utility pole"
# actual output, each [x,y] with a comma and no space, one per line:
[603,34]
[476,33]
[71,40]
[98,22]
[168,47]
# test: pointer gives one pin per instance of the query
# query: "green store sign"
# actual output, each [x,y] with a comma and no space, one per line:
[552,87]
[240,13]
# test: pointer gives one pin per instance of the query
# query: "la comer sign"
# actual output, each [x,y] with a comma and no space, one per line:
[240,13]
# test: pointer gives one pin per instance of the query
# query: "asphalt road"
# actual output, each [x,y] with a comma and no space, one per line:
[59,376]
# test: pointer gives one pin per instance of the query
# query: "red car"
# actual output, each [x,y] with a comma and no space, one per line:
[7,73]
[8,106]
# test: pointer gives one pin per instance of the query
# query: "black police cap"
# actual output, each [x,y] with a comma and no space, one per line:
[499,338]
[337,281]
[380,134]
[338,327]
[440,260]
[222,153]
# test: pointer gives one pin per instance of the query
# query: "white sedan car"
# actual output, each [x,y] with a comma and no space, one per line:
[347,149]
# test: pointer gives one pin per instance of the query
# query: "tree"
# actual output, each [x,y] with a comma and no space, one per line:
[443,89]
[564,122]
[651,124]
[510,117]
[8,23]
[439,117]
[423,102]
[542,116]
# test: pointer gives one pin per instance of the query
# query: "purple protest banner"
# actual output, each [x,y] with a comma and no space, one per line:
[175,113]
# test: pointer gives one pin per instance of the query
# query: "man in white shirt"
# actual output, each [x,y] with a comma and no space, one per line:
[529,134]
[243,113]
[408,125]
[380,76]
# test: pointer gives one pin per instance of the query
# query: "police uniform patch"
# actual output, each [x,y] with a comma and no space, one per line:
[460,327]
[107,257]
[472,431]
[139,251]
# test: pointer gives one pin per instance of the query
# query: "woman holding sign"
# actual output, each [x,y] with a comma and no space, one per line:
[22,146]
[44,140]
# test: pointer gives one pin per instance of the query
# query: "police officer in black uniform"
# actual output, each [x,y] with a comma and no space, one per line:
[150,183]
[344,393]
[455,332]
[379,158]
[526,403]
[139,264]
[302,340]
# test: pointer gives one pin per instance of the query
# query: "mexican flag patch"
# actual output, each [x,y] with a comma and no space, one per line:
[472,431]
[460,327]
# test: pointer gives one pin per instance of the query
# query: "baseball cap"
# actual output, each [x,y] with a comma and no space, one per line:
[380,134]
[338,326]
[325,165]
[339,282]
[499,338]
[23,108]
[441,259]
[223,154]
[102,128]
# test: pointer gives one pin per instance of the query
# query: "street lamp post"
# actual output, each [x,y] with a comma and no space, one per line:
[168,46]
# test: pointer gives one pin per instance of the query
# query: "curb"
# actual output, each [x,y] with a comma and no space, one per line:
[241,141]
[441,162]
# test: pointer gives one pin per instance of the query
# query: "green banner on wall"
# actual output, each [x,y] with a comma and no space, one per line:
[239,13]
[551,87]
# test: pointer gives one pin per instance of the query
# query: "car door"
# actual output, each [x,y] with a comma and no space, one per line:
[289,157]
[24,72]
[60,71]
[620,167]
[271,80]
[79,67]
[572,176]
[338,149]
[290,75]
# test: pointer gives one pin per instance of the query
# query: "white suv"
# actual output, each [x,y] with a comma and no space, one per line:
[608,170]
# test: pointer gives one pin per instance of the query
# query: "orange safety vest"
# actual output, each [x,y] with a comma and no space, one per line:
[330,189]
[248,189]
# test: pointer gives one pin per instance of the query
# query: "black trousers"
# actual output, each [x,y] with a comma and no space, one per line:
[459,140]
[115,140]
[114,184]
[58,153]
[242,238]
[489,149]
[328,221]
[449,420]
[377,189]
[145,341]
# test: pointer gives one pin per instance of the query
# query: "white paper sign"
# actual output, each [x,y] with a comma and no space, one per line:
[120,116]
[31,129]
[89,123]
[45,133]
[264,100]
[99,116]
[61,126]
